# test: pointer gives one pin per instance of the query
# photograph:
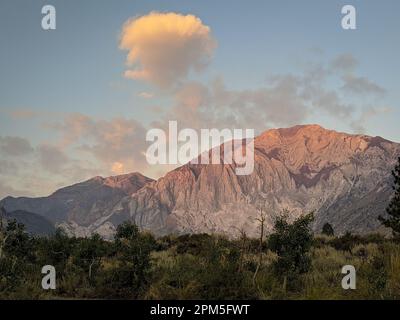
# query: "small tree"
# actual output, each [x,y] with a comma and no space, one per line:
[393,210]
[89,253]
[57,250]
[16,252]
[327,230]
[127,231]
[3,235]
[292,242]
[14,240]
[132,249]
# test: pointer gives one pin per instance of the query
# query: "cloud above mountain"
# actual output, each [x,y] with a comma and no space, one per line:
[164,47]
[344,62]
[361,85]
[284,99]
[15,146]
[52,158]
[109,142]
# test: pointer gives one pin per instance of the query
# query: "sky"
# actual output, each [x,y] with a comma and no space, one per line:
[77,101]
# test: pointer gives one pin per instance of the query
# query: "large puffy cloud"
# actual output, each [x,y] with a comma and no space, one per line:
[164,47]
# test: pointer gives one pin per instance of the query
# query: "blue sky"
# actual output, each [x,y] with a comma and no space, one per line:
[45,76]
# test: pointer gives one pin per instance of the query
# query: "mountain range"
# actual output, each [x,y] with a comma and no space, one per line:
[344,179]
[81,208]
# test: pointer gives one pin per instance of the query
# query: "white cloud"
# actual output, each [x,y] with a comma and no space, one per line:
[164,47]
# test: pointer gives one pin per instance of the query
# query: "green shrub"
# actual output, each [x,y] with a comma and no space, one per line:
[291,243]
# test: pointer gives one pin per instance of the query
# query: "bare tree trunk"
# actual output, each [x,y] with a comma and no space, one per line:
[261,220]
[90,268]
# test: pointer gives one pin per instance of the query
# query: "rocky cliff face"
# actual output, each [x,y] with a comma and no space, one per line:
[345,179]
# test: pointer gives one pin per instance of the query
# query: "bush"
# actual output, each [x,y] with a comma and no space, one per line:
[128,276]
[345,242]
[291,243]
[327,230]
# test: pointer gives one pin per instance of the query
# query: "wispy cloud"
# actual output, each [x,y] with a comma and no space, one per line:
[344,62]
[361,85]
[52,158]
[118,140]
[146,95]
[15,146]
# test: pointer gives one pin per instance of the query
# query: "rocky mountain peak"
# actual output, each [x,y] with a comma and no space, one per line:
[81,208]
[344,178]
[314,146]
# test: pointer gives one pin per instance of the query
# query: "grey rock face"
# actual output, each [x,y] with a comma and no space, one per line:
[345,179]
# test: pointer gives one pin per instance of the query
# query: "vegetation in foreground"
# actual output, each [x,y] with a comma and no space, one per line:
[289,264]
